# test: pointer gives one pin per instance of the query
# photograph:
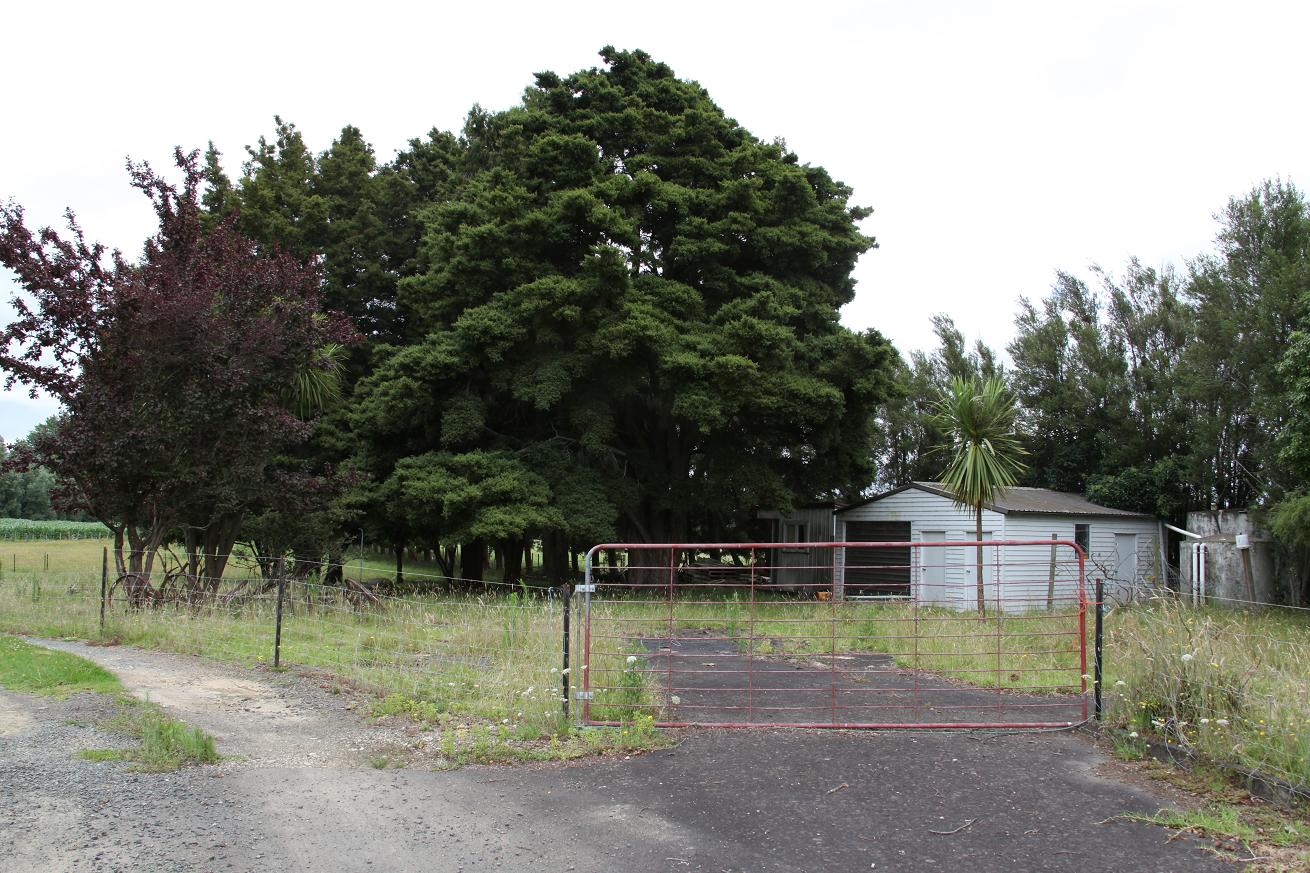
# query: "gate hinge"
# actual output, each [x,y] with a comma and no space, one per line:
[585,589]
[584,695]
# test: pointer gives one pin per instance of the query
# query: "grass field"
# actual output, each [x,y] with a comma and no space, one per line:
[1229,683]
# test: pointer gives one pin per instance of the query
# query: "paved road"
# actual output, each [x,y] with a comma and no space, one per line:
[720,801]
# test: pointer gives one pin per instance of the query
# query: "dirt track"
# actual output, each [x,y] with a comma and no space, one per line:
[720,801]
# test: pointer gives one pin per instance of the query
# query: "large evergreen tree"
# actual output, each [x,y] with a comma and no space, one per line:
[1247,304]
[626,280]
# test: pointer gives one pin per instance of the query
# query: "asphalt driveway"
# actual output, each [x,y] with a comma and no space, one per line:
[726,800]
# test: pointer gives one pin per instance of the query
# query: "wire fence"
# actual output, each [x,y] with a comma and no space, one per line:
[1228,681]
[475,649]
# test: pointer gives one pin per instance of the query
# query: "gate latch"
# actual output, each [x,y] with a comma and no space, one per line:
[585,589]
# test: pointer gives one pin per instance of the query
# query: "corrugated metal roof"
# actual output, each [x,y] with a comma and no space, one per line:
[1024,501]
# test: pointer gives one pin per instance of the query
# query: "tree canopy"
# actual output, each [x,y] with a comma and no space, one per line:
[607,312]
[627,292]
[174,371]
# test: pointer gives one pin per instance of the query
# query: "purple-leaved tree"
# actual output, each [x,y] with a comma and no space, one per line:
[178,373]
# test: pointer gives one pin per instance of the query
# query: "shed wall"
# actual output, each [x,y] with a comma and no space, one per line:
[926,512]
[802,568]
[1026,570]
[1032,563]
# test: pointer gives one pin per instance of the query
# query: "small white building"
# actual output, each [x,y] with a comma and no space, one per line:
[1123,548]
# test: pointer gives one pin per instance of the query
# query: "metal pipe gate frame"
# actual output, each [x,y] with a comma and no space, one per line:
[1023,590]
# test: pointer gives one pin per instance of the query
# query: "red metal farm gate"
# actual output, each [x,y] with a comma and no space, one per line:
[834,635]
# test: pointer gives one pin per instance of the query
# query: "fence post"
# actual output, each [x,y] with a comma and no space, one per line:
[566,591]
[277,633]
[1096,666]
[104,585]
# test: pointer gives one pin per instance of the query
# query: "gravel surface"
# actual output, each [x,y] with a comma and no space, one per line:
[264,717]
[721,801]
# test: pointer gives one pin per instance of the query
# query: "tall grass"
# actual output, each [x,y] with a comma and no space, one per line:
[1231,684]
[488,657]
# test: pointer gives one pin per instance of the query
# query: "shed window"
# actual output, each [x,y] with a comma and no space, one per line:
[1082,535]
[793,532]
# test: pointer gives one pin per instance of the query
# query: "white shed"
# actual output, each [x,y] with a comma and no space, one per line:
[1122,547]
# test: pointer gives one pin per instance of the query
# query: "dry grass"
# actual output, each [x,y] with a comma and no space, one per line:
[1230,684]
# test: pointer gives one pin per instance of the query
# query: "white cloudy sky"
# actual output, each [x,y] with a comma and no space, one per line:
[997,142]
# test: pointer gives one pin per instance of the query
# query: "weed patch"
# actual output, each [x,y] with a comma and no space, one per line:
[105,754]
[1229,685]
[164,743]
[458,745]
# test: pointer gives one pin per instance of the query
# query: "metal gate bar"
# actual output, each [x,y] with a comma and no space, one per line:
[671,639]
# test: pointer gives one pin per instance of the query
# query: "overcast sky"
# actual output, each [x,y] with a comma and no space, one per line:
[996,142]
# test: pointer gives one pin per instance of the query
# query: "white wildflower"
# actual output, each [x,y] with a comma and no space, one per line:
[504,721]
[675,700]
[1133,734]
[632,659]
[1222,722]
[554,669]
[1187,656]
[1205,721]
[1120,684]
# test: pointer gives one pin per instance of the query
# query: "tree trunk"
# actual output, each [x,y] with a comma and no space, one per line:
[512,562]
[334,572]
[219,537]
[445,558]
[554,557]
[650,567]
[527,556]
[472,559]
[400,566]
[982,604]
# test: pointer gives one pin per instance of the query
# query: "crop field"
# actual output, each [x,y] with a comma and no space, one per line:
[27,529]
[1228,683]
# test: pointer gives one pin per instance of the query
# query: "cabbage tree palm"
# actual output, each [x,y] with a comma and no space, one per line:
[317,384]
[978,419]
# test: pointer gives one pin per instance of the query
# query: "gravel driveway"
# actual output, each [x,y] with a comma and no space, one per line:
[301,799]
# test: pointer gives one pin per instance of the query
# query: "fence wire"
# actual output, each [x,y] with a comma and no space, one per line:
[1227,680]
